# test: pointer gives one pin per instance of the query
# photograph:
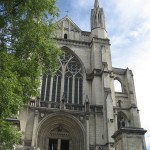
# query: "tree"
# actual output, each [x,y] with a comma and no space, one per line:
[27,49]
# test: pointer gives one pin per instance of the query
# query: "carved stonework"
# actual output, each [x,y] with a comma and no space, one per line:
[42,115]
[59,132]
[59,135]
[98,147]
[102,148]
[89,76]
[92,147]
[95,72]
[81,118]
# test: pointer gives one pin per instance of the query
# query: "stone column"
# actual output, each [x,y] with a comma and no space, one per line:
[124,140]
[59,144]
[34,128]
[115,121]
[70,145]
[87,132]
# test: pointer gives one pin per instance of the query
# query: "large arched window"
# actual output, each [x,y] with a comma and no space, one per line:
[117,85]
[68,81]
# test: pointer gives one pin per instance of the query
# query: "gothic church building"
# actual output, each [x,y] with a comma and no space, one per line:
[79,108]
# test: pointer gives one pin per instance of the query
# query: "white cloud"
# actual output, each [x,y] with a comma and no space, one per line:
[141,70]
[129,31]
[130,35]
[83,3]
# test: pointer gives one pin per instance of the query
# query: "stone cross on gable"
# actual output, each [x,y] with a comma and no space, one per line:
[67,12]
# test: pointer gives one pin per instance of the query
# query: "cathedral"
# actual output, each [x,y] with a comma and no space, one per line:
[78,107]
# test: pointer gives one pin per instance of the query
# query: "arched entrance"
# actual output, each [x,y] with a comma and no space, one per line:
[60,132]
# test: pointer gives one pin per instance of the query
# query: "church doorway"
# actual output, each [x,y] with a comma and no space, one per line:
[58,144]
[53,144]
[60,132]
[65,145]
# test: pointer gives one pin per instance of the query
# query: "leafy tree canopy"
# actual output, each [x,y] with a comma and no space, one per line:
[27,49]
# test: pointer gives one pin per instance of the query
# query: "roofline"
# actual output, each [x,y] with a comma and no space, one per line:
[66,17]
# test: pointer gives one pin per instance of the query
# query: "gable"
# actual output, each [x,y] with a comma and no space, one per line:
[67,29]
[67,24]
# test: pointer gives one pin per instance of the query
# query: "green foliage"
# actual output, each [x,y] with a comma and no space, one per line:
[27,49]
[8,136]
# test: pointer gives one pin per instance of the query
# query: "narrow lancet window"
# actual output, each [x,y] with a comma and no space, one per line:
[65,36]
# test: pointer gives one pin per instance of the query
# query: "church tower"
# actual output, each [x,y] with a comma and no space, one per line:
[98,28]
[78,107]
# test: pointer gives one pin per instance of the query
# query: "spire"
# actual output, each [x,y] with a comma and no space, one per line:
[98,21]
[96,4]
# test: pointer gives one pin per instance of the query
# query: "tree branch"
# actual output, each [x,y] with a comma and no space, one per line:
[17,4]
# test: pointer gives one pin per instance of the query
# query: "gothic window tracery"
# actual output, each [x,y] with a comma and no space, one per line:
[67,80]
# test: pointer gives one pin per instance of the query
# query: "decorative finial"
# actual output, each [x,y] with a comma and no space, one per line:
[67,12]
[87,104]
[87,99]
[96,4]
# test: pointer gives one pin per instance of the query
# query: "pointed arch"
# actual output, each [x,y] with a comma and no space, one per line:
[71,129]
[118,85]
[68,80]
[65,36]
[67,49]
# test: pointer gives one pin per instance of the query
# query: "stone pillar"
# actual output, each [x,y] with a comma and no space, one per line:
[115,121]
[124,141]
[70,145]
[59,144]
[87,132]
[34,128]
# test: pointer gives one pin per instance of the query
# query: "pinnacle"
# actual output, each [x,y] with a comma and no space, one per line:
[96,4]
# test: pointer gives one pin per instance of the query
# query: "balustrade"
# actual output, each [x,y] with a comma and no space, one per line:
[56,105]
[67,106]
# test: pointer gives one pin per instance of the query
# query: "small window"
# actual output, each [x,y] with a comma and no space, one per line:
[65,36]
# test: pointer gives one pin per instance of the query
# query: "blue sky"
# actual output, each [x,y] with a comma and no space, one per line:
[128,27]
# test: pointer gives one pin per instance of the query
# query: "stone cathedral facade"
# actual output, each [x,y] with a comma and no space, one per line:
[78,108]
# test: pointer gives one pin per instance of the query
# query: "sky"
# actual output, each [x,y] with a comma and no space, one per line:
[128,27]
